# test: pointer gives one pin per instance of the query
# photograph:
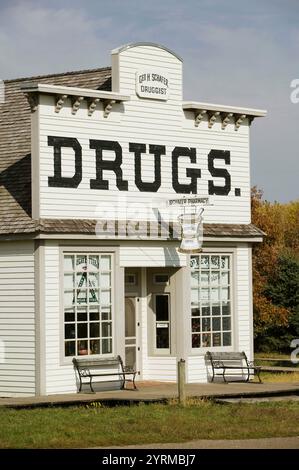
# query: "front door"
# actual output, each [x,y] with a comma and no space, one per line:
[130,333]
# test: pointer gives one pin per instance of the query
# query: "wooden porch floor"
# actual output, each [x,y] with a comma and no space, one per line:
[158,391]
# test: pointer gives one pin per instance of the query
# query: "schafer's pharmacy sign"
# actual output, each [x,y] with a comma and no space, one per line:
[152,84]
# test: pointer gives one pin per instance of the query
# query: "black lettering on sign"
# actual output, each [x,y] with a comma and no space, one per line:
[157,150]
[192,173]
[59,181]
[219,172]
[110,165]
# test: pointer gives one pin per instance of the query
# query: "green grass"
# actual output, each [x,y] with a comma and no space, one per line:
[92,426]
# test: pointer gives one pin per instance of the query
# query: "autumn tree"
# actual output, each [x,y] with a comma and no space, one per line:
[280,222]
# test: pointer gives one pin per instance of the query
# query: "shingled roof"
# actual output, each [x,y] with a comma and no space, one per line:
[15,163]
[15,143]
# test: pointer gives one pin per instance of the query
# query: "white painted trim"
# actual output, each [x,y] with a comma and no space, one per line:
[73,91]
[120,49]
[39,307]
[197,106]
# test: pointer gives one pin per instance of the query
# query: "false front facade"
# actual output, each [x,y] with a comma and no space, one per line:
[90,259]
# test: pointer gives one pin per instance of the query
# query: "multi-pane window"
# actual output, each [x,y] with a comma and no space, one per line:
[211,322]
[87,304]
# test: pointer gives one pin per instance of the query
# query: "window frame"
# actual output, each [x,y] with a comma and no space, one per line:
[233,314]
[65,251]
[161,351]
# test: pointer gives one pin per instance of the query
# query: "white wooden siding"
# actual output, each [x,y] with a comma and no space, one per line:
[151,255]
[144,121]
[17,319]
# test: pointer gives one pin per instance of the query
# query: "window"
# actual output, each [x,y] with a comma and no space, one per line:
[87,304]
[211,323]
[162,322]
[161,279]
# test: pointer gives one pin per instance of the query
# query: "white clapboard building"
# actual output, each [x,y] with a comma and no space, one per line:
[90,259]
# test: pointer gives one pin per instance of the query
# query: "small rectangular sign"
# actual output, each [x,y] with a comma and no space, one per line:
[188,201]
[162,325]
[152,84]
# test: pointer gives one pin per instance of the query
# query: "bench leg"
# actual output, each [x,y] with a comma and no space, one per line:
[80,388]
[258,371]
[248,375]
[134,375]
[224,375]
[213,375]
[90,383]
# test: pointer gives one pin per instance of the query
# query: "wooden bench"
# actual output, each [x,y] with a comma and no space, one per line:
[87,368]
[232,361]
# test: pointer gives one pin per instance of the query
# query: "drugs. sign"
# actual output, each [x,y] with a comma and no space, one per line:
[152,84]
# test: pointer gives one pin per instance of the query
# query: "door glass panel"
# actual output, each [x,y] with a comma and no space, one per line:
[162,308]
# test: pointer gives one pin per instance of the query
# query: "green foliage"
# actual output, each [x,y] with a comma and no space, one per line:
[276,274]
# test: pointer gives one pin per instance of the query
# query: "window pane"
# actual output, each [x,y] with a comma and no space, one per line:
[93,263]
[204,278]
[105,280]
[81,280]
[226,339]
[70,331]
[204,262]
[82,330]
[105,263]
[195,341]
[206,324]
[224,278]
[226,323]
[69,298]
[206,340]
[105,298]
[94,312]
[106,346]
[205,310]
[216,339]
[106,329]
[215,262]
[82,347]
[225,262]
[162,337]
[215,278]
[81,296]
[69,281]
[195,312]
[95,346]
[195,279]
[195,324]
[69,314]
[194,262]
[204,294]
[69,263]
[162,313]
[214,295]
[94,330]
[94,296]
[93,279]
[216,324]
[225,309]
[194,296]
[81,263]
[106,314]
[70,348]
[225,294]
[216,310]
[82,314]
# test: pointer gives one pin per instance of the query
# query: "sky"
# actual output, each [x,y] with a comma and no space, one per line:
[242,53]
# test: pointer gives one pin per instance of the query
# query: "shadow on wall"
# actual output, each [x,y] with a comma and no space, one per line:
[17,181]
